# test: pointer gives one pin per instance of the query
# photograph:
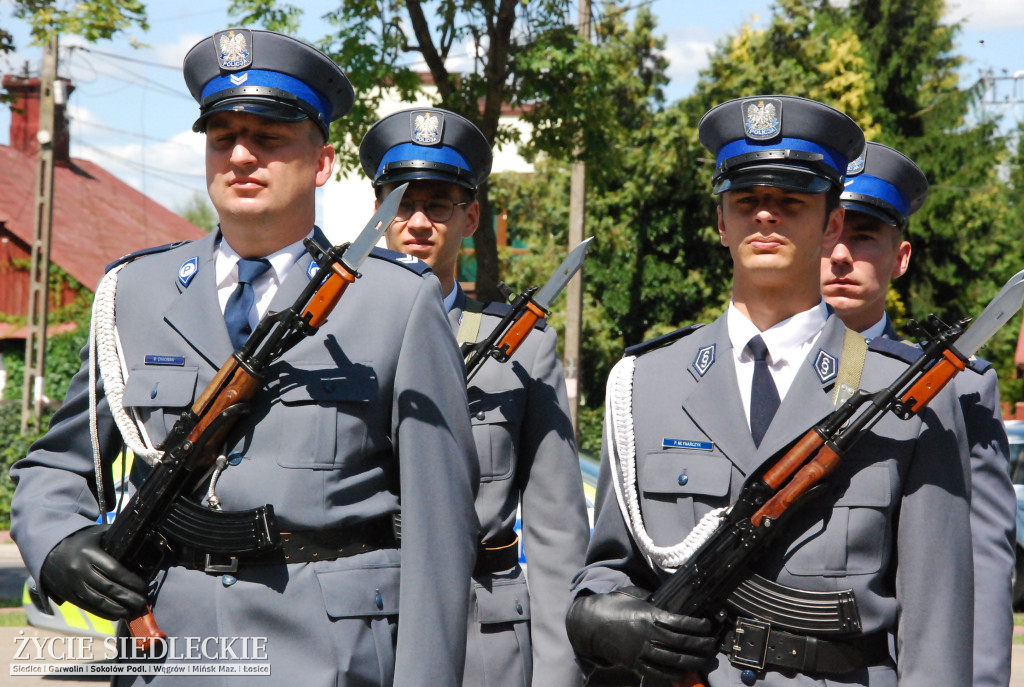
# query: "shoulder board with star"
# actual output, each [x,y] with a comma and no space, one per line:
[409,262]
[142,253]
[500,309]
[663,340]
[908,352]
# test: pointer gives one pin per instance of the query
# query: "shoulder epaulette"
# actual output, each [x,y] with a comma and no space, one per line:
[409,262]
[906,352]
[663,340]
[500,309]
[979,365]
[145,251]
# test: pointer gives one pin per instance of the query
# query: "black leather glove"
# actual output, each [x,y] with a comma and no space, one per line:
[79,571]
[622,628]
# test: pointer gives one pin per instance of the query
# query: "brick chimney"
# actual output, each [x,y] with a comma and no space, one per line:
[25,117]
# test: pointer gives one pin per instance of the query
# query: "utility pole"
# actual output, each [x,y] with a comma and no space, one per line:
[574,291]
[39,279]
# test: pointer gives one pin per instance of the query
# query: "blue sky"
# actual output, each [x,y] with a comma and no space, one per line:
[132,114]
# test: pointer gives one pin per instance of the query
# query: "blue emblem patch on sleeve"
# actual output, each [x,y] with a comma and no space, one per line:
[704,360]
[826,365]
[188,270]
[311,269]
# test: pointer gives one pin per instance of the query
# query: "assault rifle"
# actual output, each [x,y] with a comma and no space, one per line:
[702,584]
[161,515]
[526,309]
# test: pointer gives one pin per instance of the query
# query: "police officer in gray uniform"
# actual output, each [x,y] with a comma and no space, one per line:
[691,416]
[368,410]
[519,411]
[883,188]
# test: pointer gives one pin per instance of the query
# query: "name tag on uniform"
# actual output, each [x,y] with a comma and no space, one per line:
[165,360]
[687,443]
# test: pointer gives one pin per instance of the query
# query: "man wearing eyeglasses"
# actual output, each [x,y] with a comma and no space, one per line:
[519,411]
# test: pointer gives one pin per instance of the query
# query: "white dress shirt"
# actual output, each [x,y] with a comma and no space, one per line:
[265,287]
[789,342]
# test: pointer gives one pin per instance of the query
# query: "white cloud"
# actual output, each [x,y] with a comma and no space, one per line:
[987,15]
[687,49]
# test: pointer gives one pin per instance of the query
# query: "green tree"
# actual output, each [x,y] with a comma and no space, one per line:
[94,20]
[481,55]
[199,212]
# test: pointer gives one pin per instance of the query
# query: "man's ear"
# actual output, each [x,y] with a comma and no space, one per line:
[325,164]
[472,219]
[721,227]
[833,229]
[902,260]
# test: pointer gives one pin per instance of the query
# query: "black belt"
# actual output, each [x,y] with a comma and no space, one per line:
[756,644]
[495,557]
[304,546]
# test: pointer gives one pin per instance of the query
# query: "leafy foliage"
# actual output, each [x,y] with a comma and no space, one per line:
[94,20]
[199,212]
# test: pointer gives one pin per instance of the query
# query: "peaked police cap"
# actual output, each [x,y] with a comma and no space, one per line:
[425,143]
[779,140]
[885,184]
[266,74]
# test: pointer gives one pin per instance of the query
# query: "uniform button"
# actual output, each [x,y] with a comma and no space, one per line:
[683,479]
[228,580]
[152,394]
[519,608]
[377,599]
[480,415]
[749,677]
[235,458]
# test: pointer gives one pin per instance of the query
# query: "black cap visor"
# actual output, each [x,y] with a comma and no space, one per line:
[788,177]
[883,212]
[274,108]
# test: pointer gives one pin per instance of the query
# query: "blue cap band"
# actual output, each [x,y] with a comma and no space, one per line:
[743,146]
[867,185]
[411,151]
[260,77]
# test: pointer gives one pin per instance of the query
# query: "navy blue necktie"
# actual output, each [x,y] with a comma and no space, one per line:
[764,396]
[240,302]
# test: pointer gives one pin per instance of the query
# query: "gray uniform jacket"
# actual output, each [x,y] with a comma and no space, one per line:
[528,459]
[371,402]
[900,494]
[993,519]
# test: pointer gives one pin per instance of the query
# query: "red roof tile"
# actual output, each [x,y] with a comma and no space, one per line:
[97,218]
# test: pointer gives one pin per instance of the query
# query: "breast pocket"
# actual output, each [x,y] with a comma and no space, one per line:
[855,535]
[680,487]
[495,420]
[323,415]
[159,395]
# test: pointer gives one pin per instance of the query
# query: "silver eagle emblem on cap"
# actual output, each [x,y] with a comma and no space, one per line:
[855,167]
[233,49]
[763,119]
[427,127]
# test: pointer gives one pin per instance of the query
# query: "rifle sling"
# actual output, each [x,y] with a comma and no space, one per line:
[469,326]
[851,366]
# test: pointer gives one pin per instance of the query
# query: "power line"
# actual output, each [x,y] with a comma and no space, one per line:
[123,58]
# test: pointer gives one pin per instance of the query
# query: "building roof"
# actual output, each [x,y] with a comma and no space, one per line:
[97,218]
